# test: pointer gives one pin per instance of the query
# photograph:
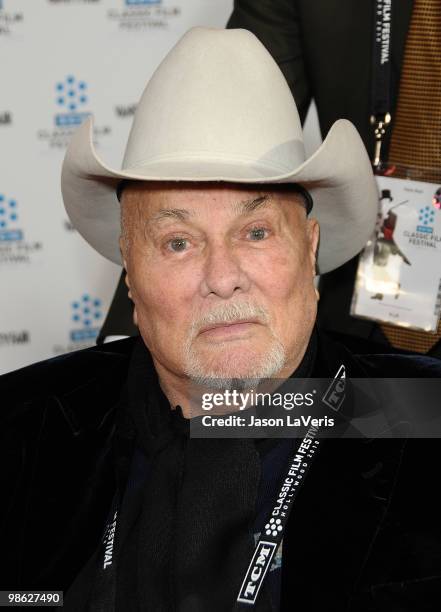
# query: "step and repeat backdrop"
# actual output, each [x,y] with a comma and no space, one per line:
[62,60]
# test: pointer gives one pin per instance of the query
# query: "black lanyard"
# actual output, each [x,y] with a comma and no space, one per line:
[381,62]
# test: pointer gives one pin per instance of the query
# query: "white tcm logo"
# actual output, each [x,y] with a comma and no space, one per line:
[257,569]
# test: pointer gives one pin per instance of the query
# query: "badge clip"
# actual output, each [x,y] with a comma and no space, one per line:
[380,123]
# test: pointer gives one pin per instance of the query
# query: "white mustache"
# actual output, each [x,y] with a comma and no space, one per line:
[230,313]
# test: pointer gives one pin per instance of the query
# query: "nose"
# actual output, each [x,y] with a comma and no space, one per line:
[223,273]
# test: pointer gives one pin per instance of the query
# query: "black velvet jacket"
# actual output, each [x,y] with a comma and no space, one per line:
[364,534]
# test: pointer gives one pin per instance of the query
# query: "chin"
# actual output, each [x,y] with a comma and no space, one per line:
[225,366]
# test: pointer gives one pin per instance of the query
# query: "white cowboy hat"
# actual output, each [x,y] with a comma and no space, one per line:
[219,109]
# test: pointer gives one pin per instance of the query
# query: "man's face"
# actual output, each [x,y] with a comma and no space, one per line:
[221,277]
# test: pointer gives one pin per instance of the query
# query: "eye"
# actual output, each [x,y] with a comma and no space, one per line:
[177,244]
[258,233]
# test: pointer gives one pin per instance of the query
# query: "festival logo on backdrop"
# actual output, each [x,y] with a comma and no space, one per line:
[71,101]
[14,249]
[86,315]
[133,15]
[9,19]
[85,320]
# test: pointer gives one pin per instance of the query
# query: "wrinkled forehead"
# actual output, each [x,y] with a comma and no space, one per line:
[173,193]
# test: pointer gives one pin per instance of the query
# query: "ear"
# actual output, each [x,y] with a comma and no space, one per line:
[313,236]
[127,282]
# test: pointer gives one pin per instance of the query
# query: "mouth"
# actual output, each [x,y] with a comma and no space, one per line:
[230,328]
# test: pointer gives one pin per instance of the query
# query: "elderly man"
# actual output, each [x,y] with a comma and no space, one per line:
[113,499]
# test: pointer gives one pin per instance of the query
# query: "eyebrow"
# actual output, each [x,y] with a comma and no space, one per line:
[249,206]
[181,214]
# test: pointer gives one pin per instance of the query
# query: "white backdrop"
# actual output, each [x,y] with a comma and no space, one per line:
[60,61]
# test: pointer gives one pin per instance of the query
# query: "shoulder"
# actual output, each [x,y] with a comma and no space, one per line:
[88,371]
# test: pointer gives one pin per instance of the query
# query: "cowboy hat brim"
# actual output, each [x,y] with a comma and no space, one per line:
[338,176]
